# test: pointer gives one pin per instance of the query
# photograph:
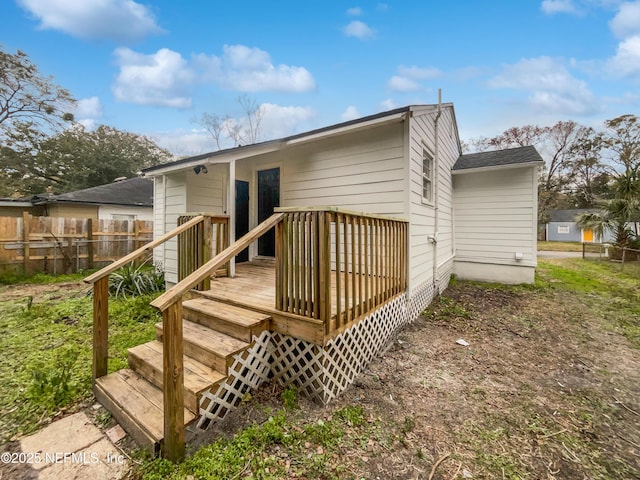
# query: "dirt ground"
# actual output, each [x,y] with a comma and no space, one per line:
[546,389]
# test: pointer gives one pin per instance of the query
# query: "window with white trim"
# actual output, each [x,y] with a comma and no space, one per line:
[563,228]
[427,176]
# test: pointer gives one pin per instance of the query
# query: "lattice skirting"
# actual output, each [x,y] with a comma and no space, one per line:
[420,298]
[320,373]
[248,370]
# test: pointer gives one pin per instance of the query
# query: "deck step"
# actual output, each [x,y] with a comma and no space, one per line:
[137,405]
[207,346]
[236,322]
[146,359]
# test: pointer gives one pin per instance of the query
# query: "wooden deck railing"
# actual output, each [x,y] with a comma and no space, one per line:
[195,245]
[337,266]
[100,282]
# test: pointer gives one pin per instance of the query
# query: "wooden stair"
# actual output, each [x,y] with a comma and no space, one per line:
[213,333]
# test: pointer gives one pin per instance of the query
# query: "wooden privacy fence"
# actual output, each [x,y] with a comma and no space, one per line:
[336,266]
[62,245]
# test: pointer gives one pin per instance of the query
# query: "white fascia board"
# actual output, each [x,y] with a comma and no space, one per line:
[219,158]
[496,167]
[348,129]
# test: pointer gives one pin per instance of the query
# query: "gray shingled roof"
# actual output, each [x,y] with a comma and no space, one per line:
[569,215]
[132,192]
[497,158]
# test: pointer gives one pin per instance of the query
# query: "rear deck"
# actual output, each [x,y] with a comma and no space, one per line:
[288,317]
[254,288]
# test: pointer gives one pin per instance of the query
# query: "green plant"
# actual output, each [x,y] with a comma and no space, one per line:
[52,383]
[290,398]
[133,281]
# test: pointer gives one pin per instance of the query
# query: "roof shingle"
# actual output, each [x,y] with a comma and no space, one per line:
[498,158]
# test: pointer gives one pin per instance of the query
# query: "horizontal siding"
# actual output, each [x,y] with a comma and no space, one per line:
[495,213]
[362,171]
[423,224]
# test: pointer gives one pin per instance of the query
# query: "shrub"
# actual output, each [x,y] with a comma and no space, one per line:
[132,281]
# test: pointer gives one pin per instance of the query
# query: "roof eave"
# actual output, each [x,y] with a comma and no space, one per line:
[496,167]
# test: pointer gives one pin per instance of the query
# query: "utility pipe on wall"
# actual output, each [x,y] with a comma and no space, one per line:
[436,162]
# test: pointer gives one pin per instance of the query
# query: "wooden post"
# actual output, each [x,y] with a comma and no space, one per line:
[100,327]
[26,227]
[89,243]
[324,257]
[279,265]
[173,382]
[136,235]
[207,232]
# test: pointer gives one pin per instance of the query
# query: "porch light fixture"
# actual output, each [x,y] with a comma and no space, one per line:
[200,168]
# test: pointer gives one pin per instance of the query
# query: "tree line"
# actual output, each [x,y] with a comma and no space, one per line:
[43,148]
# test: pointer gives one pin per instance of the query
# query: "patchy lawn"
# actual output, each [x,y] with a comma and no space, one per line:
[549,388]
[45,340]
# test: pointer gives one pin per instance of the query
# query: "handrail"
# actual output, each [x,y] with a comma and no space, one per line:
[344,211]
[112,267]
[176,292]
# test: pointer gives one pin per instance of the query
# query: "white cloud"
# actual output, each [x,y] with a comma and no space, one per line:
[354,11]
[166,78]
[388,104]
[403,84]
[419,73]
[87,112]
[409,78]
[279,121]
[626,23]
[551,87]
[88,108]
[626,62]
[359,30]
[249,69]
[551,7]
[159,79]
[351,113]
[184,143]
[119,20]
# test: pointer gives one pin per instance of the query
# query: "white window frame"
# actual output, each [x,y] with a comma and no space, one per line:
[427,176]
[563,229]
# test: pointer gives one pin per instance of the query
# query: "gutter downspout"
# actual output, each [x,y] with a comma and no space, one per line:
[436,162]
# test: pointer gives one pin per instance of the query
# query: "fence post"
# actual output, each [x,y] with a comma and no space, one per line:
[26,227]
[89,243]
[584,250]
[624,251]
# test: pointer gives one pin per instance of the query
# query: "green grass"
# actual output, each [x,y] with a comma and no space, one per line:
[560,246]
[282,447]
[618,291]
[47,350]
[12,278]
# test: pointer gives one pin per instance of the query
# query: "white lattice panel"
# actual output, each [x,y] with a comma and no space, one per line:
[420,298]
[249,369]
[318,373]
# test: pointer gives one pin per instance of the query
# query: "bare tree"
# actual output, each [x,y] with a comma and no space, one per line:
[29,97]
[241,131]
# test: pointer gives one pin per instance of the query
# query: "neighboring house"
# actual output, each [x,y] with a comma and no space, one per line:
[15,207]
[372,217]
[127,199]
[562,227]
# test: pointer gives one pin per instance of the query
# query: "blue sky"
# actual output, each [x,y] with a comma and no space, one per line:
[152,67]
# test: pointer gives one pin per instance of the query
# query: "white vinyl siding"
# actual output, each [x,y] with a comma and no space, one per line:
[423,223]
[363,171]
[496,216]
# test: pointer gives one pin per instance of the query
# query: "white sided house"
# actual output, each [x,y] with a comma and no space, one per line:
[352,230]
